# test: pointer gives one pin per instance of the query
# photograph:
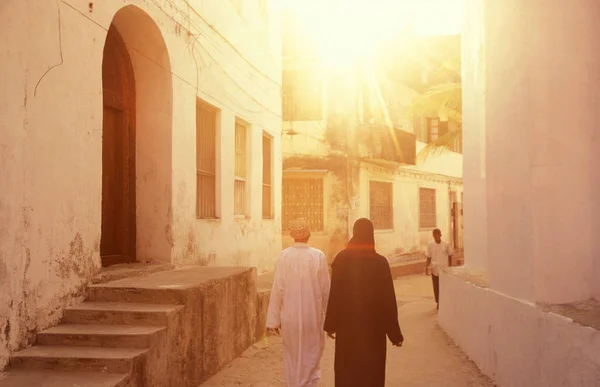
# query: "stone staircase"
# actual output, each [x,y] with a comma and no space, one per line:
[167,328]
[99,343]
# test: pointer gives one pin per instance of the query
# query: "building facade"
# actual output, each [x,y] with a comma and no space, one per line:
[133,132]
[525,305]
[349,151]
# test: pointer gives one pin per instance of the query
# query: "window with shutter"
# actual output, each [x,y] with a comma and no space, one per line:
[267,179]
[427,208]
[206,160]
[241,157]
[381,205]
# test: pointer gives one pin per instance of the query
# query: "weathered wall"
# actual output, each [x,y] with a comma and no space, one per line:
[407,236]
[51,133]
[515,342]
[310,149]
[332,170]
[531,182]
[523,152]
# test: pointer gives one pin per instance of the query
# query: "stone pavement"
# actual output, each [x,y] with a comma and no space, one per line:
[428,357]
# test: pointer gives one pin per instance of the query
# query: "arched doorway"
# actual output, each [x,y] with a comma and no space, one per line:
[137,163]
[118,153]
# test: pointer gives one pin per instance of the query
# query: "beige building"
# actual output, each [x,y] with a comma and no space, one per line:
[525,306]
[133,132]
[342,160]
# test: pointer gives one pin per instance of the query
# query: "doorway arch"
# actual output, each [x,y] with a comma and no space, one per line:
[136,141]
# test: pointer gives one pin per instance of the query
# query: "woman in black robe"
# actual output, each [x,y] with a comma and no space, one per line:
[362,311]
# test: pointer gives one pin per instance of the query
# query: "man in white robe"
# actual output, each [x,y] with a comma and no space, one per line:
[297,307]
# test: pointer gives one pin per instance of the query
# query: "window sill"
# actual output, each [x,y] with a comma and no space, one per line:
[209,220]
[384,231]
[241,217]
[425,229]
[312,233]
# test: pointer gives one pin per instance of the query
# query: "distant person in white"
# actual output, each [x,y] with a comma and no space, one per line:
[438,257]
[297,307]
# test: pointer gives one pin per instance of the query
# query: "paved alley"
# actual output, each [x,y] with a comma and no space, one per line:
[428,357]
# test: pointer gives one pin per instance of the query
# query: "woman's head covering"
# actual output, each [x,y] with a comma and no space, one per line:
[299,229]
[363,234]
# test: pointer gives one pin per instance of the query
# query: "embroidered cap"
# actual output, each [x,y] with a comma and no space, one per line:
[299,229]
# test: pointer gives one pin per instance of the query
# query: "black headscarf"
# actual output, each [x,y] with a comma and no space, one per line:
[363,235]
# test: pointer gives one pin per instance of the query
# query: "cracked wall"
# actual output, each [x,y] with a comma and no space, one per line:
[51,153]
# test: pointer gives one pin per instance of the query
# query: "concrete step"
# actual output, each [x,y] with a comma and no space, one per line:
[61,358]
[120,313]
[127,270]
[92,335]
[111,293]
[25,378]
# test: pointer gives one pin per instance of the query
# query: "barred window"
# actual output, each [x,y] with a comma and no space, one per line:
[381,205]
[241,157]
[303,198]
[206,160]
[267,182]
[427,211]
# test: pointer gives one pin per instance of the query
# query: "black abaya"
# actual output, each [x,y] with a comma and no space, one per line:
[362,311]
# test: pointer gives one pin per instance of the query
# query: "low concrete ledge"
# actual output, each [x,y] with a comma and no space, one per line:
[407,268]
[478,278]
[520,343]
[585,313]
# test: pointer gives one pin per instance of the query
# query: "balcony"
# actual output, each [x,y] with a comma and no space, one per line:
[379,142]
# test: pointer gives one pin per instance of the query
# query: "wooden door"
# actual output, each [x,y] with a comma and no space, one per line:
[453,219]
[118,154]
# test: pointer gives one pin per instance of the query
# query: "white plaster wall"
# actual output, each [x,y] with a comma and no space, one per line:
[50,133]
[531,185]
[50,141]
[514,342]
[530,144]
[435,171]
[474,139]
[443,163]
[406,236]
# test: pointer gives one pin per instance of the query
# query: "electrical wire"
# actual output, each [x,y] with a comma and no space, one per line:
[157,63]
[215,45]
[217,63]
[228,42]
[191,23]
[240,86]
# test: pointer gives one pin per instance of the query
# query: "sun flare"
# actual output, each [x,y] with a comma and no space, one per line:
[347,30]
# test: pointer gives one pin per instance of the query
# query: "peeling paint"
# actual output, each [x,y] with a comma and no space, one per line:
[50,215]
[76,262]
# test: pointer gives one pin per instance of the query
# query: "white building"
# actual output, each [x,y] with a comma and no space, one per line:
[341,163]
[133,131]
[525,306]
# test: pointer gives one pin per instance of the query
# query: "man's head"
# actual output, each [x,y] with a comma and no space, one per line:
[299,230]
[437,235]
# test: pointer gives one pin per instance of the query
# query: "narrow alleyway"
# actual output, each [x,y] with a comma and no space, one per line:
[428,358]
